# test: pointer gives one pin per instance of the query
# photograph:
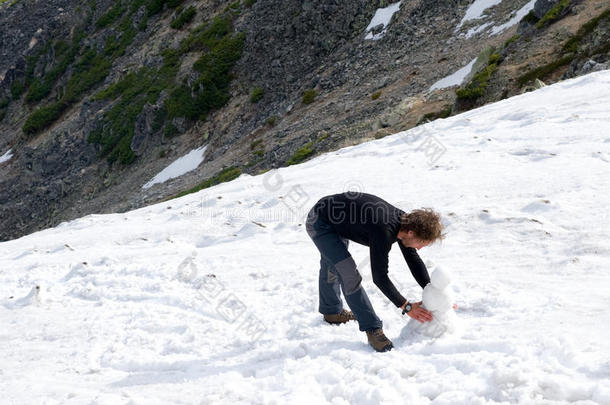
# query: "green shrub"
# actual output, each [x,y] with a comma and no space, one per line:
[17,89]
[180,103]
[554,13]
[158,119]
[95,136]
[184,18]
[494,58]
[207,35]
[170,130]
[39,88]
[31,62]
[222,56]
[43,117]
[603,48]
[134,91]
[154,7]
[257,95]
[572,44]
[219,49]
[233,8]
[115,48]
[569,50]
[444,113]
[478,84]
[111,15]
[511,40]
[87,72]
[309,96]
[211,90]
[544,70]
[271,120]
[228,174]
[136,4]
[3,104]
[249,3]
[376,95]
[530,18]
[173,3]
[122,152]
[254,144]
[61,47]
[301,154]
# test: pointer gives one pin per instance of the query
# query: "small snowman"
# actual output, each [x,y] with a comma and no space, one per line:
[438,299]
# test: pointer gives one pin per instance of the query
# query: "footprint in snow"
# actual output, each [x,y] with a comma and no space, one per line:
[33,298]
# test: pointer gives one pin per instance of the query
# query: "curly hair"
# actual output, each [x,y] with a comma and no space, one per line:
[425,223]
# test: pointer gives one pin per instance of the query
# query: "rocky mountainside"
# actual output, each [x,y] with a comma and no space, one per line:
[96,98]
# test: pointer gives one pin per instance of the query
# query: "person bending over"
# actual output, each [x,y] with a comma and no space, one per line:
[369,220]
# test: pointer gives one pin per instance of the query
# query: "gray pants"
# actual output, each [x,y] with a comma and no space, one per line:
[338,272]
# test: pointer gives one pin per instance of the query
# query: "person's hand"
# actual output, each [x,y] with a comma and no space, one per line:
[418,313]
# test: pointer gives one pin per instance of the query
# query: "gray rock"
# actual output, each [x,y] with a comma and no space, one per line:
[143,130]
[391,119]
[541,7]
[592,66]
[538,84]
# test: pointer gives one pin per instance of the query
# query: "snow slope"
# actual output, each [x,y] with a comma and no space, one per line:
[7,156]
[476,10]
[180,166]
[211,298]
[454,79]
[383,16]
[518,16]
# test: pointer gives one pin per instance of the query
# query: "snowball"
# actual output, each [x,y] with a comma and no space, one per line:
[438,326]
[440,278]
[437,300]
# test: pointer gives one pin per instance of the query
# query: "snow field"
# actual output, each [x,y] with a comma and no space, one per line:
[212,298]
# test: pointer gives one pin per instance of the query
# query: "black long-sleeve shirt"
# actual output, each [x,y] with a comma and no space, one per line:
[371,221]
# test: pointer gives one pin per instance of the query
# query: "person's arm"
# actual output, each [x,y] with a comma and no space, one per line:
[416,265]
[379,269]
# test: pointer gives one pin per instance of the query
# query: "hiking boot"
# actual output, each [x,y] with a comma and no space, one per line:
[378,340]
[342,317]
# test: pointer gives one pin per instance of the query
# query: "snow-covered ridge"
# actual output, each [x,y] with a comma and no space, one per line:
[212,297]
